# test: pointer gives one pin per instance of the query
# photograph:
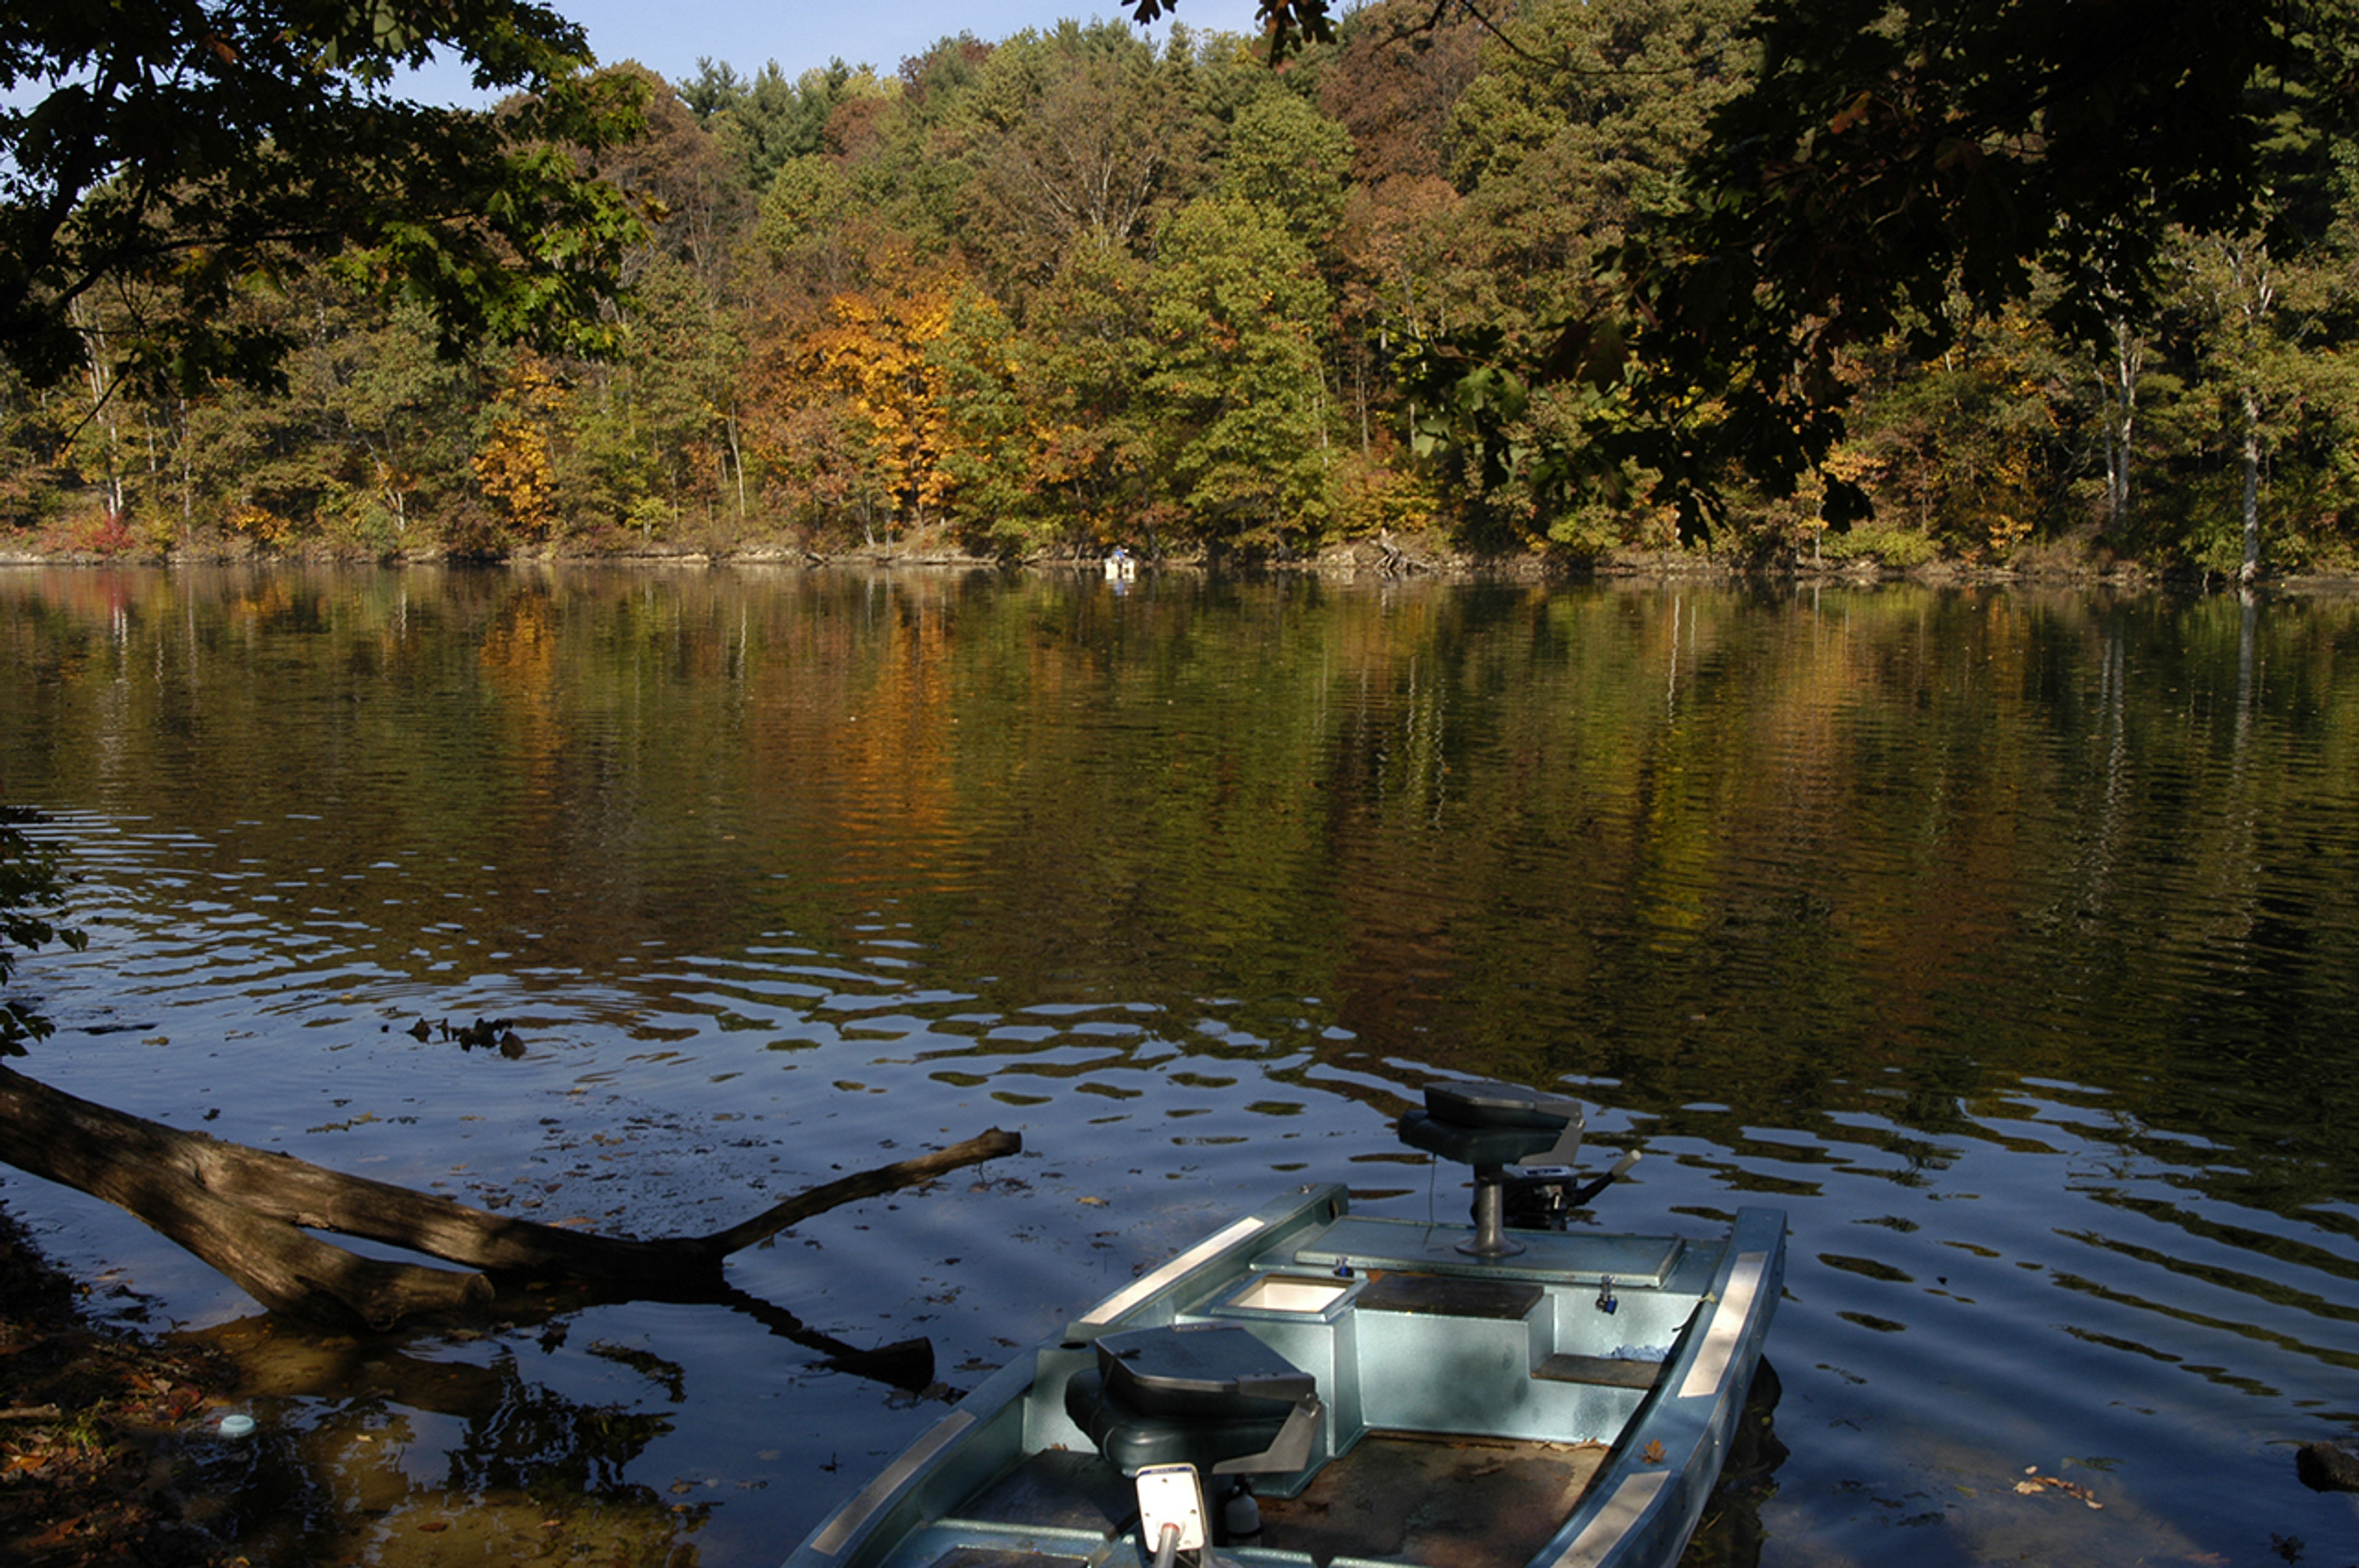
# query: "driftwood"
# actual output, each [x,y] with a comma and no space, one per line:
[245,1212]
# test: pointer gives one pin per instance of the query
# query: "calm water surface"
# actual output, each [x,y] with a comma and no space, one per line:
[2009,940]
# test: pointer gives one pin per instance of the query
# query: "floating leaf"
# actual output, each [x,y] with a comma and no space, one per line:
[2038,1484]
[1654,1452]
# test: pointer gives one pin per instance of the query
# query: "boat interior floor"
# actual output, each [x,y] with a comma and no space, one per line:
[1442,1502]
[1060,1489]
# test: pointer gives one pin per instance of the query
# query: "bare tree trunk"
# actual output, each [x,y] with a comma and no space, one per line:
[2121,422]
[2251,568]
[100,376]
[132,1163]
[2257,296]
[738,463]
[245,1211]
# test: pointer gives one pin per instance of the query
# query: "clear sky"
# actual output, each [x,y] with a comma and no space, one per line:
[669,36]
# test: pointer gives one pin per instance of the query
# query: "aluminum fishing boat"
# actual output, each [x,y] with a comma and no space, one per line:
[1307,1388]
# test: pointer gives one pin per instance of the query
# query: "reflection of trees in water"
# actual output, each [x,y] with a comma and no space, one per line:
[1903,840]
[521,1465]
[1468,820]
[529,1440]
[1890,854]
[332,1461]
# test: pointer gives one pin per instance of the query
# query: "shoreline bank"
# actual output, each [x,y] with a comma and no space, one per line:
[95,1419]
[1364,561]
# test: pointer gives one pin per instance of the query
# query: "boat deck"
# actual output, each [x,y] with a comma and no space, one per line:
[1443,1502]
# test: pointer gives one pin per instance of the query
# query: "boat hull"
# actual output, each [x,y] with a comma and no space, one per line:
[1569,1406]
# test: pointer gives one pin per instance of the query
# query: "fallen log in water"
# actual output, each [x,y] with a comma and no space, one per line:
[245,1212]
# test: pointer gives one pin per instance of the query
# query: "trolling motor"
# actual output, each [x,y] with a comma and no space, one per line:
[1542,1197]
[1495,1126]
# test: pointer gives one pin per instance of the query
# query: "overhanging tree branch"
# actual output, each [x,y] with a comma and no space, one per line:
[262,135]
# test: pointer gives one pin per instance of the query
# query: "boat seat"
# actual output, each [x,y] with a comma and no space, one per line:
[1209,1395]
[1489,1126]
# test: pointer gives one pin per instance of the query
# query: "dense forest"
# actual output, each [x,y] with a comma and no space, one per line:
[1074,290]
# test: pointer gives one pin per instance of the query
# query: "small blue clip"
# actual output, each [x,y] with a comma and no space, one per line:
[1605,1301]
[1343,1268]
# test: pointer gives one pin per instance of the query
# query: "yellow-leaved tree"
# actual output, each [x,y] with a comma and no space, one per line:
[516,463]
[871,349]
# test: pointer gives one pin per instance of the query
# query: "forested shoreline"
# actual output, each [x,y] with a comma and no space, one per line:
[1042,297]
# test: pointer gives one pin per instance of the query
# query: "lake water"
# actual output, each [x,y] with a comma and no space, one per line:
[2008,939]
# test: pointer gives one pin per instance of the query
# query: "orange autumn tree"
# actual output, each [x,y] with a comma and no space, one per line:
[872,350]
[515,465]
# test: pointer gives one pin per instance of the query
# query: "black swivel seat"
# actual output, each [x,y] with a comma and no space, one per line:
[1208,1395]
[1489,1126]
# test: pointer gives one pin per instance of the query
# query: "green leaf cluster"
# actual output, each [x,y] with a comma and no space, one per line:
[161,159]
[32,889]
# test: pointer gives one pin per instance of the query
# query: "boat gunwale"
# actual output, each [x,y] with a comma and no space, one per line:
[1634,1500]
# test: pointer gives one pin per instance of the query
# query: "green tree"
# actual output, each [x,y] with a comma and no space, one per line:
[1973,448]
[1233,382]
[1078,137]
[1577,134]
[185,149]
[989,435]
[33,427]
[1291,161]
[32,890]
[1574,138]
[1883,154]
[768,122]
[360,449]
[808,239]
[1049,432]
[2266,333]
[397,416]
[656,424]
